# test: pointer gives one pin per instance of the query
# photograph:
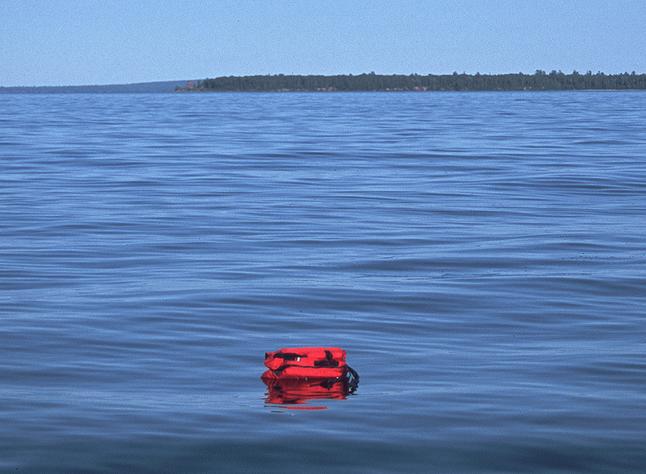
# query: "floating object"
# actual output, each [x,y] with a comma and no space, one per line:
[305,362]
[299,374]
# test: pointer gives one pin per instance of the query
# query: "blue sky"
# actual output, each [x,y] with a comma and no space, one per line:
[58,42]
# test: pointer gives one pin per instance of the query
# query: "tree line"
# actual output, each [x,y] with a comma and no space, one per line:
[540,80]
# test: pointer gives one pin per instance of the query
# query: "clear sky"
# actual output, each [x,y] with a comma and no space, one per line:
[64,42]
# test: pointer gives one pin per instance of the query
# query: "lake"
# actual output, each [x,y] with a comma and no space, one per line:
[480,256]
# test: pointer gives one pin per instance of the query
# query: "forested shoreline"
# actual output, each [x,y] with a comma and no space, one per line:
[540,80]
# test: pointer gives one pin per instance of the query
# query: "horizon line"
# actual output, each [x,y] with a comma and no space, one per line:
[136,83]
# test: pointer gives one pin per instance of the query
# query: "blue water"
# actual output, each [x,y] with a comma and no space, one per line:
[481,257]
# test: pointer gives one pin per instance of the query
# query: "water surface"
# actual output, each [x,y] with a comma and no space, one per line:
[481,257]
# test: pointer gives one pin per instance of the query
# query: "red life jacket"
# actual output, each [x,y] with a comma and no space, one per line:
[305,363]
[300,374]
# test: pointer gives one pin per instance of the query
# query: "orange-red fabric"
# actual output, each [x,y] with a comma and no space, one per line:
[305,362]
[305,373]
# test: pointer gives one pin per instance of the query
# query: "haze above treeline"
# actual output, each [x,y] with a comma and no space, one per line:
[367,82]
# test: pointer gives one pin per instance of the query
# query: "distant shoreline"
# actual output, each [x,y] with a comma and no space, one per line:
[539,81]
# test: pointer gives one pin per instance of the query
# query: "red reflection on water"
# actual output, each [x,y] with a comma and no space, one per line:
[294,394]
